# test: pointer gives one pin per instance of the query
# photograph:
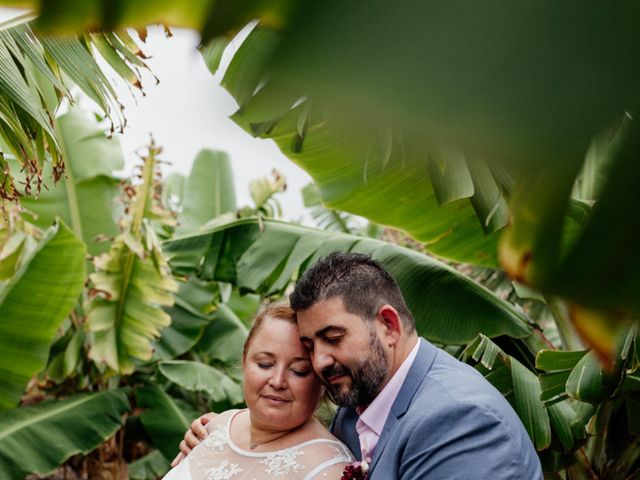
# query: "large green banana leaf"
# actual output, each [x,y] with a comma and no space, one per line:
[263,255]
[531,82]
[223,339]
[432,192]
[85,198]
[163,419]
[33,304]
[447,106]
[190,315]
[199,320]
[199,377]
[208,191]
[596,272]
[38,438]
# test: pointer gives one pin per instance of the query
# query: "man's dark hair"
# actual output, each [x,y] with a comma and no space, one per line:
[362,283]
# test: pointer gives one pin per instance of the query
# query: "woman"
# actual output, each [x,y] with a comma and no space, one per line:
[276,436]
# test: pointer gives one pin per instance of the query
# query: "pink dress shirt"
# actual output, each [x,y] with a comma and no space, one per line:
[372,419]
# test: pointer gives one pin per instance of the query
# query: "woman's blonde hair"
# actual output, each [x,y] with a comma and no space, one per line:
[277,310]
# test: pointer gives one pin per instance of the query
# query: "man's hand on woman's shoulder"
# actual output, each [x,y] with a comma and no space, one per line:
[196,433]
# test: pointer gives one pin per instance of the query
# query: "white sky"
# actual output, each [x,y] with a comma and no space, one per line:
[188,110]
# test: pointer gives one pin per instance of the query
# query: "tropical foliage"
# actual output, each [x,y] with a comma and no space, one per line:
[83,328]
[455,135]
[455,200]
[533,171]
[33,303]
[48,433]
[37,75]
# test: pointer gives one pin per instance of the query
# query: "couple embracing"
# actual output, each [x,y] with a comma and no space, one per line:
[408,410]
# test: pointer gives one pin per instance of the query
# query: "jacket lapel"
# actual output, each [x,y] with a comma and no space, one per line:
[343,427]
[419,369]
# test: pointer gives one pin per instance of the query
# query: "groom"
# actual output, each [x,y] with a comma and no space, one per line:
[406,407]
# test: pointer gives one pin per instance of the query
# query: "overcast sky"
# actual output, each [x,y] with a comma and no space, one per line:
[188,111]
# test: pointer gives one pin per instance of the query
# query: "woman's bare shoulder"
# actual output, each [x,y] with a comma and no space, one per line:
[318,430]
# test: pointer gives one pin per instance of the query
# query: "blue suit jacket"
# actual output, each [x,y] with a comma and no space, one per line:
[448,422]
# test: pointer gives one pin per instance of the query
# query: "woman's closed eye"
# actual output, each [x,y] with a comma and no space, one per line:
[296,371]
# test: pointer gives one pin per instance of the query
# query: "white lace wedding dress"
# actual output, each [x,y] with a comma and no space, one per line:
[218,458]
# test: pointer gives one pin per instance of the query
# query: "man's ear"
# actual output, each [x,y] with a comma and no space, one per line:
[390,323]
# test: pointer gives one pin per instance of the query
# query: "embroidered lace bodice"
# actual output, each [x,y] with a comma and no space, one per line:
[218,458]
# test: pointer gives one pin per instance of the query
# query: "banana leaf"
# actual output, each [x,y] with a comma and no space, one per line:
[371,157]
[86,198]
[590,382]
[208,191]
[263,255]
[441,69]
[190,315]
[556,366]
[426,190]
[131,284]
[199,377]
[523,390]
[150,467]
[163,419]
[419,183]
[125,315]
[38,438]
[64,363]
[33,304]
[223,339]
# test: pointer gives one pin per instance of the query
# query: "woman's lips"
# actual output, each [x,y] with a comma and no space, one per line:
[275,398]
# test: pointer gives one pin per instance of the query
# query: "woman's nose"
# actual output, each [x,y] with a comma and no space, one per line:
[278,380]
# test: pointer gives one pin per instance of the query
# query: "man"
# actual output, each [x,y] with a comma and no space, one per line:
[406,407]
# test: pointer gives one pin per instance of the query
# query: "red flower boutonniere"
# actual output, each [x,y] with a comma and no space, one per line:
[355,471]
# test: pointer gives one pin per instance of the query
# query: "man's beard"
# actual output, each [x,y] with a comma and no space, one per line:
[365,381]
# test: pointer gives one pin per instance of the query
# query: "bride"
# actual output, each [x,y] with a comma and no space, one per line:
[277,435]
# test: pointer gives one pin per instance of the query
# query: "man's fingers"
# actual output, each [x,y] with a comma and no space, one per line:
[207,417]
[177,460]
[184,448]
[197,427]
[191,440]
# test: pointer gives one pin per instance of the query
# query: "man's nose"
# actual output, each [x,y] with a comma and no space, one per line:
[279,378]
[320,360]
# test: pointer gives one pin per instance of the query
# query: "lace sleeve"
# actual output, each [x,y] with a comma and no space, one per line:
[332,458]
[332,472]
